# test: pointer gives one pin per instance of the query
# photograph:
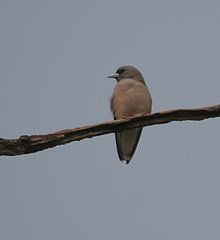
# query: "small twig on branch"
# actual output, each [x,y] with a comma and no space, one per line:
[34,143]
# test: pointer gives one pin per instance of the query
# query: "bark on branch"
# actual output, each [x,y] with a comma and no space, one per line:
[34,143]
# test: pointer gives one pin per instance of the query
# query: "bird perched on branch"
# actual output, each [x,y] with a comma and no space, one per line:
[130,97]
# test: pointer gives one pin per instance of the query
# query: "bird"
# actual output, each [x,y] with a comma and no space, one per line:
[131,96]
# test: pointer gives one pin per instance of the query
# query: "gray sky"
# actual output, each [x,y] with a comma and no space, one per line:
[54,59]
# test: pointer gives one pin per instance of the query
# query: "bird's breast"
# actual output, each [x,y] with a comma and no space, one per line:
[130,98]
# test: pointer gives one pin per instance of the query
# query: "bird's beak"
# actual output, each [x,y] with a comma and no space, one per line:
[115,75]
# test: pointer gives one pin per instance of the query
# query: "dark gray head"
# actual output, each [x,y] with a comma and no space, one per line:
[126,72]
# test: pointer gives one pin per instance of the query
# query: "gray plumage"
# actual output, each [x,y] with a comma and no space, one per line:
[131,96]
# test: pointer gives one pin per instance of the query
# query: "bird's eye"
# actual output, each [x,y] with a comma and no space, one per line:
[120,71]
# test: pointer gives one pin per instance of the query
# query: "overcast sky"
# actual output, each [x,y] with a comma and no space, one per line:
[54,60]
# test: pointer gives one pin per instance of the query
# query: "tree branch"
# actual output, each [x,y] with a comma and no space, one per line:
[34,143]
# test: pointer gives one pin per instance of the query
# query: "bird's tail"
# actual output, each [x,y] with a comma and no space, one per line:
[127,143]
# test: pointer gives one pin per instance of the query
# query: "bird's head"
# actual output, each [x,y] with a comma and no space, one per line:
[127,72]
